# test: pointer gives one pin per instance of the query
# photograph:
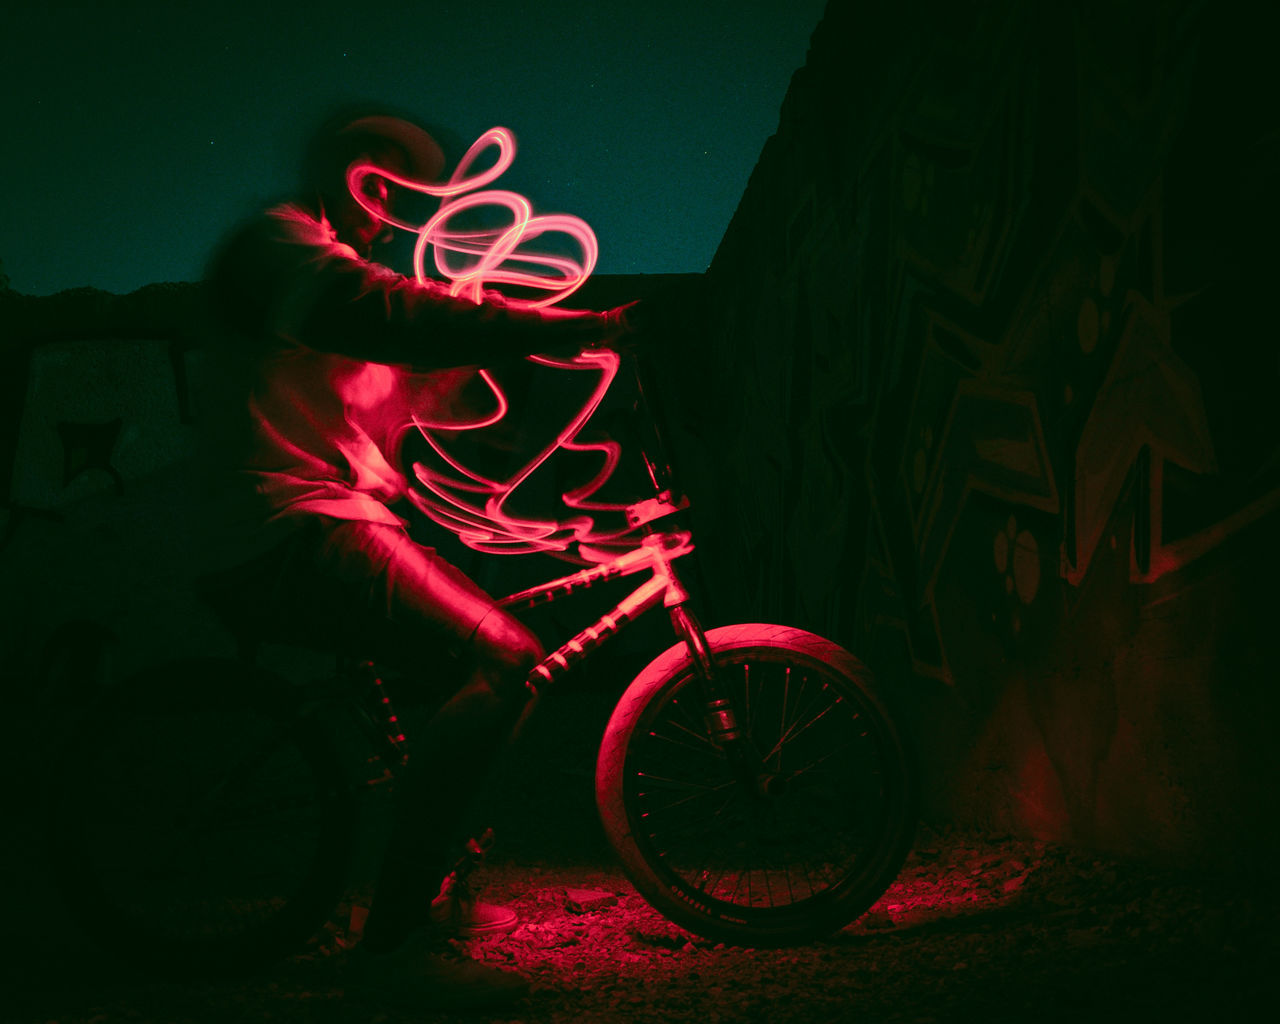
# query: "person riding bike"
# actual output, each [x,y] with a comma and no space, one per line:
[335,353]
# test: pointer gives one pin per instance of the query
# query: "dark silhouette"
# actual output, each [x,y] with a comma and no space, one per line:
[333,351]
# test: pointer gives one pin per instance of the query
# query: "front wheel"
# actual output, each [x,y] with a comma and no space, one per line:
[790,835]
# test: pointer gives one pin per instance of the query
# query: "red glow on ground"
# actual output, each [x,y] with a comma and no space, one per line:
[473,505]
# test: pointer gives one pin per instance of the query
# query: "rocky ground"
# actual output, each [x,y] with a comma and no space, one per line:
[976,928]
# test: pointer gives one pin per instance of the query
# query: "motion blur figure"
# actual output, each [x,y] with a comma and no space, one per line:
[337,353]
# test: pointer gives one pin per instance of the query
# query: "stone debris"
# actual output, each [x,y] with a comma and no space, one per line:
[587,901]
[974,928]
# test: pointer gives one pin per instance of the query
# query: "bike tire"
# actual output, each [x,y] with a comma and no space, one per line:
[201,825]
[739,866]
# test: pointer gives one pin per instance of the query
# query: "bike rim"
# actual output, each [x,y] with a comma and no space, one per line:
[818,831]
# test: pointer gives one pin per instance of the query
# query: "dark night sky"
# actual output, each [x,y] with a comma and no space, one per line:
[139,132]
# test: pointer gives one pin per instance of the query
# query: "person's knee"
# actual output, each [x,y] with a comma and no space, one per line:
[507,650]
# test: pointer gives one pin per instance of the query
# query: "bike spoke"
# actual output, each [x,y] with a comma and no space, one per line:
[804,770]
[782,726]
[808,879]
[710,889]
[681,783]
[695,829]
[693,791]
[795,730]
[702,744]
[693,722]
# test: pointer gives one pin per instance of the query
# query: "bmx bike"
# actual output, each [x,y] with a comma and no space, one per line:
[754,786]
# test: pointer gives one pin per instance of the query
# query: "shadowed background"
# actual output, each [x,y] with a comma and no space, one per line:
[980,383]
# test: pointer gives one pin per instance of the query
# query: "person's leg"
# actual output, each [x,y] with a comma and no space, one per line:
[404,594]
[447,770]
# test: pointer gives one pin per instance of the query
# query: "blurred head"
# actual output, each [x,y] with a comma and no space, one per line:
[382,139]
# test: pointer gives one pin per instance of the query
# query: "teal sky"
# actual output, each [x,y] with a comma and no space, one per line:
[144,130]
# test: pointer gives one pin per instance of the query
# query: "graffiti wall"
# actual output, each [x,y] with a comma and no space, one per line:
[997,366]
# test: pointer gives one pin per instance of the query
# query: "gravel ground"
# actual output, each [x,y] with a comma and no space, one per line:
[976,928]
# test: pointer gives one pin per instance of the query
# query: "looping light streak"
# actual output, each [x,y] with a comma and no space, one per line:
[470,260]
[474,506]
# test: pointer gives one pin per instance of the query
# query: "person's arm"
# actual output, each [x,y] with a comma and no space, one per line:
[288,277]
[368,312]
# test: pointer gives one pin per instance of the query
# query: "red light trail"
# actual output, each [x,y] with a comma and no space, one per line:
[474,506]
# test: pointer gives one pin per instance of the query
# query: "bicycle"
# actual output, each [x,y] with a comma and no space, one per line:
[750,779]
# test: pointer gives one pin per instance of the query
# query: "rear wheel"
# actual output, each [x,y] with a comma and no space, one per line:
[201,825]
[788,840]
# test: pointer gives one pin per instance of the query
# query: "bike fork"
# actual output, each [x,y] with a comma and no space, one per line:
[719,715]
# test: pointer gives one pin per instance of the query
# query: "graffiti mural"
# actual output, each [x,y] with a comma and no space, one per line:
[1016,393]
[993,319]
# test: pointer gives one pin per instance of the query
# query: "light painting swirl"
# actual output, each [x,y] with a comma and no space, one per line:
[472,505]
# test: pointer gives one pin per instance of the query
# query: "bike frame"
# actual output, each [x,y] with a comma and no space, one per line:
[657,550]
[654,555]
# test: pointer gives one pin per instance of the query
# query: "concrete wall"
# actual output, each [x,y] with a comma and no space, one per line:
[996,369]
[104,514]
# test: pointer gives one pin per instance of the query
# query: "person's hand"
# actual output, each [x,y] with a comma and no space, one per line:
[620,325]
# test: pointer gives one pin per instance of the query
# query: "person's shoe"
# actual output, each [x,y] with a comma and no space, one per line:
[418,977]
[457,912]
